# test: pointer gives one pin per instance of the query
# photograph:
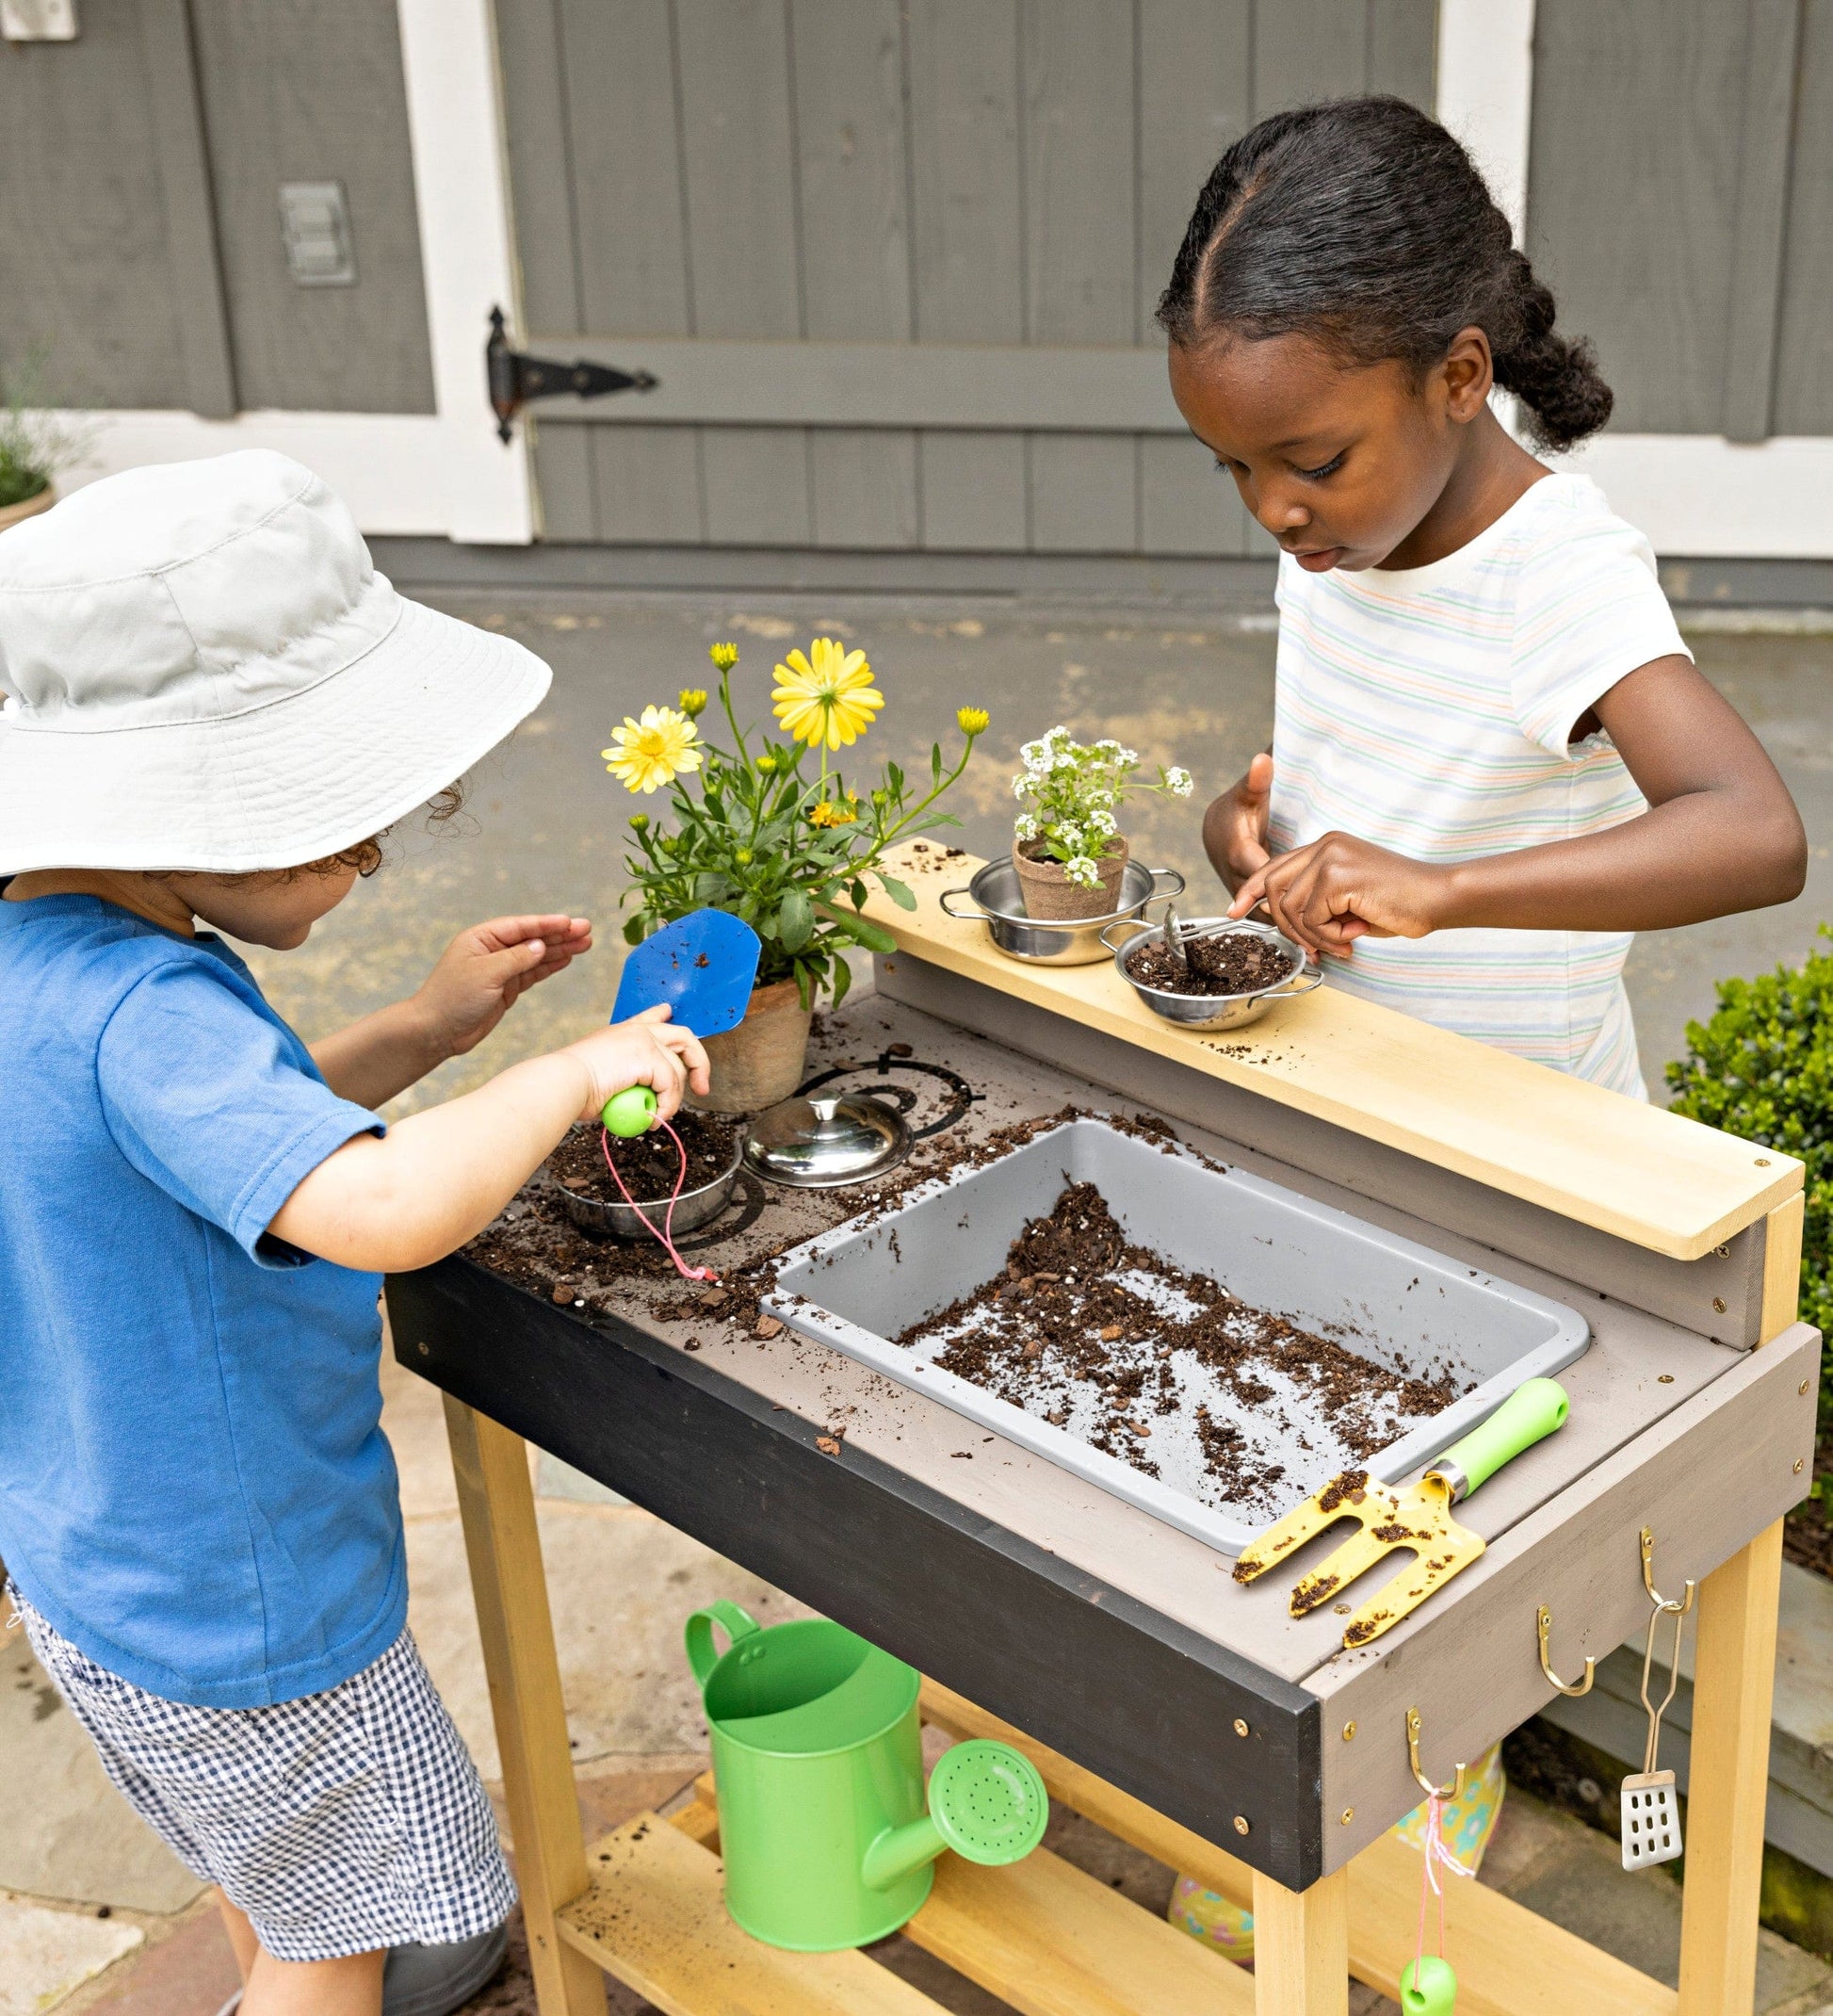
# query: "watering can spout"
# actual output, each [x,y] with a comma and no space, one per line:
[986,1802]
[900,1850]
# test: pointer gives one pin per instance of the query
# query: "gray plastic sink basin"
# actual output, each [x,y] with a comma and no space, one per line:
[1387,1300]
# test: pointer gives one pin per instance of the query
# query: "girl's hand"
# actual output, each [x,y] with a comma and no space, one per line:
[1235,826]
[484,971]
[646,1050]
[1325,895]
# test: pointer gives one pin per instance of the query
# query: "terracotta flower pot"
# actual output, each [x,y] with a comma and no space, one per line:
[29,506]
[1049,894]
[763,1059]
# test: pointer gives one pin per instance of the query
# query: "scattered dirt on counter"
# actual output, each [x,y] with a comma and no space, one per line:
[1238,962]
[1094,1332]
[649,1163]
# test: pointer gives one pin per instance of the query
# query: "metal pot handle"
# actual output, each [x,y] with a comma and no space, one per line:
[1301,982]
[1127,923]
[1165,875]
[970,917]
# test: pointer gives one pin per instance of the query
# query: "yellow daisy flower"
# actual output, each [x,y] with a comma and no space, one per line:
[830,812]
[972,719]
[649,753]
[831,701]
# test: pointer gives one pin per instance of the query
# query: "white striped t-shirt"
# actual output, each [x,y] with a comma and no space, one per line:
[1430,711]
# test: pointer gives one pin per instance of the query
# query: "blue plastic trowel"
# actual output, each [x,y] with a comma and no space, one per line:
[703,965]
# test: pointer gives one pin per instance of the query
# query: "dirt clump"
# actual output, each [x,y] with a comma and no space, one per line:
[649,1163]
[1235,962]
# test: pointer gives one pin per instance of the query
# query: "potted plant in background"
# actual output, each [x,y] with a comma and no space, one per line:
[794,855]
[1069,853]
[34,446]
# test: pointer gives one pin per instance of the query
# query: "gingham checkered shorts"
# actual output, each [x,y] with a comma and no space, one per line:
[339,1823]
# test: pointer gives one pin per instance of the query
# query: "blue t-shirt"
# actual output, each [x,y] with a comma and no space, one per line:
[194,1485]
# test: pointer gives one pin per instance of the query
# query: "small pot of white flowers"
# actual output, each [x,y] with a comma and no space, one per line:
[1068,850]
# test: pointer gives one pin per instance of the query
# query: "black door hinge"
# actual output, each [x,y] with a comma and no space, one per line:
[515,377]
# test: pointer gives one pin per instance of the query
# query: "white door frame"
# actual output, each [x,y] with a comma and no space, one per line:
[1694,495]
[443,473]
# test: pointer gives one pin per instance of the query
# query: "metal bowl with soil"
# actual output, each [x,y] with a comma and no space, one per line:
[1232,971]
[650,1165]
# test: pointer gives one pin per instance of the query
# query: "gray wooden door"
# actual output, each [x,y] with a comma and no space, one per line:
[139,215]
[944,173]
[1680,201]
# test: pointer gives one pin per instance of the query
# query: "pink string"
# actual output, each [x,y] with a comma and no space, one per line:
[1437,1856]
[667,1229]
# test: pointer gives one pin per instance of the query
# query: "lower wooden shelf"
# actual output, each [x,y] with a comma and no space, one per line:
[1046,1938]
[1043,1936]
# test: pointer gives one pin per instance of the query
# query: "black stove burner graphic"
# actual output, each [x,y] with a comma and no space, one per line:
[748,1196]
[961,1095]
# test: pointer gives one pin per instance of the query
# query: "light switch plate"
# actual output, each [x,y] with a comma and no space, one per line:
[314,224]
[38,20]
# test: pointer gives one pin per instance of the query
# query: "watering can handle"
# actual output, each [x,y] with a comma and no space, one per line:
[701,1656]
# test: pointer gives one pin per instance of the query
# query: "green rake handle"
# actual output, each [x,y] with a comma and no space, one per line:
[1531,1413]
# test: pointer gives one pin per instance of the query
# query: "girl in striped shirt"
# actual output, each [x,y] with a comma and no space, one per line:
[1492,759]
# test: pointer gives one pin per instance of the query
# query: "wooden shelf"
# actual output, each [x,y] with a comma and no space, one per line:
[1629,1169]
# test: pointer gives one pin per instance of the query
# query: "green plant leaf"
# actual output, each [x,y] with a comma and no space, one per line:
[795,921]
[901,893]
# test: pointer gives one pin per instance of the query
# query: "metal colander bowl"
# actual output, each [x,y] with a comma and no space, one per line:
[1214,1011]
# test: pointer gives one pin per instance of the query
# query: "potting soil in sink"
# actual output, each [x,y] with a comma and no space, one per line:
[1165,1369]
[1239,961]
[649,1163]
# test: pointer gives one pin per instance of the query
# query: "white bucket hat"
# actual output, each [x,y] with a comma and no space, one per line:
[203,671]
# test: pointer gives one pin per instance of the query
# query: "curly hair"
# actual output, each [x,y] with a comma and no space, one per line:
[1364,223]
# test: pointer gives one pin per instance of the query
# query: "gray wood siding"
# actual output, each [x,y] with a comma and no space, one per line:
[310,91]
[139,172]
[1001,172]
[1680,206]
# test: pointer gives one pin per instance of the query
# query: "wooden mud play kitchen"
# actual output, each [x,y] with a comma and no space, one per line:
[1034,1399]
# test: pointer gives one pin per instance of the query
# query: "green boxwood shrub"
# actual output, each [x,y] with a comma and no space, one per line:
[1762,1069]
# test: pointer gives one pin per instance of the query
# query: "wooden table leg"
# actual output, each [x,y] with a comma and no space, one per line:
[498,1505]
[1301,1947]
[1734,1667]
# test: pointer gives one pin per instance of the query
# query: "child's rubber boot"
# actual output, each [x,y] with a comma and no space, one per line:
[435,1980]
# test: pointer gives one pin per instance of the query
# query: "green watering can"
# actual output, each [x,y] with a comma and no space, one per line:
[818,1759]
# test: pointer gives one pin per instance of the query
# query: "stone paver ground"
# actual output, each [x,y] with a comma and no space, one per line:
[544,829]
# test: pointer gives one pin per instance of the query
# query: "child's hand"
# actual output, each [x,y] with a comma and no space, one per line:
[1235,826]
[483,971]
[646,1050]
[1337,889]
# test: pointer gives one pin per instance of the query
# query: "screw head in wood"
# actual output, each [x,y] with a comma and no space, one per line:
[1718,1303]
[1349,1815]
[1241,1727]
[1348,1731]
[1762,1161]
[1241,1823]
[1664,1378]
[1797,1466]
[1801,1388]
[425,1352]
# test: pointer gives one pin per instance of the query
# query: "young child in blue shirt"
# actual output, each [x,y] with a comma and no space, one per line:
[212,707]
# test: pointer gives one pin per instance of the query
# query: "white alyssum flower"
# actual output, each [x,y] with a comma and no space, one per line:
[1083,871]
[1178,782]
[1025,826]
[1102,822]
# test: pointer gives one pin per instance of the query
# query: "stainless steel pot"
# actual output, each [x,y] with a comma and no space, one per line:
[999,904]
[1215,1010]
[647,1216]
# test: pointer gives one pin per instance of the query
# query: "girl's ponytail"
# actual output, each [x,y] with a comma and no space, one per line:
[1364,223]
[1556,378]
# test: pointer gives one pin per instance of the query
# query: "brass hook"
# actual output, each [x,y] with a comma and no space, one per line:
[1543,1625]
[1455,1789]
[1655,1595]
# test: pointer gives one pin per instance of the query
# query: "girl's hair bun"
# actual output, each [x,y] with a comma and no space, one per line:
[1366,224]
